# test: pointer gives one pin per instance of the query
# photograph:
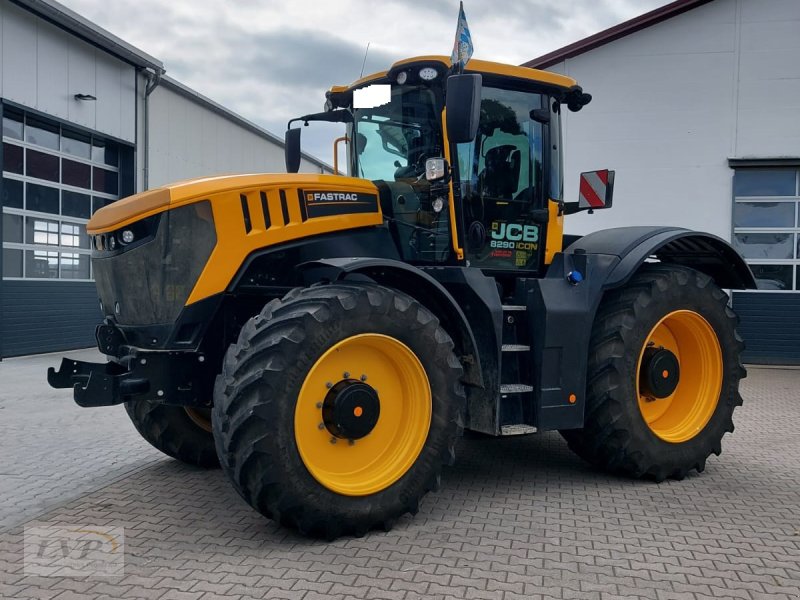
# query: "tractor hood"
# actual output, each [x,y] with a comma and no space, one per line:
[139,206]
[186,241]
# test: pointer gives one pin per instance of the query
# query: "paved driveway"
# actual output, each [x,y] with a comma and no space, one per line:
[516,518]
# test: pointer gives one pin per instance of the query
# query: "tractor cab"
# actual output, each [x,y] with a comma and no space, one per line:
[468,165]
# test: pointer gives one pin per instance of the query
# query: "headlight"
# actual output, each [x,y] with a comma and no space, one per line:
[127,236]
[427,73]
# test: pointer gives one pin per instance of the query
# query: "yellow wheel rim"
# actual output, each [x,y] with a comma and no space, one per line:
[374,462]
[684,413]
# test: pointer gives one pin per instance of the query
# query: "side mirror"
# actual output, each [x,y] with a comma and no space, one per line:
[291,149]
[596,191]
[463,107]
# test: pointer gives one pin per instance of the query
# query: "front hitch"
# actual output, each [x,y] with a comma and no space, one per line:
[168,377]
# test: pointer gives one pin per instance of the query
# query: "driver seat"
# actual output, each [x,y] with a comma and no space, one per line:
[501,174]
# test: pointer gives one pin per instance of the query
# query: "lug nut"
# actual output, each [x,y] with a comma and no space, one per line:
[321,426]
[346,375]
[319,404]
[333,440]
[363,378]
[329,385]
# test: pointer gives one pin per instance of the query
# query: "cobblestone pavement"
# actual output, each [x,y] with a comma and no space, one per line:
[516,518]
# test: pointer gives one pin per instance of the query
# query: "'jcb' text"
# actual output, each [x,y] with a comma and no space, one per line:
[514,235]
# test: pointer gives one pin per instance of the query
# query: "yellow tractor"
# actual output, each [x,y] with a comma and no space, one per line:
[328,338]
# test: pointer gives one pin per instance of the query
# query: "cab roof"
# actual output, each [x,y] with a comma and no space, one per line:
[473,66]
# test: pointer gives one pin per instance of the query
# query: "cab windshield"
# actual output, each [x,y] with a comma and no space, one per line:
[392,141]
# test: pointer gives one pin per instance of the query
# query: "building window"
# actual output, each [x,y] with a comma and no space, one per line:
[766,225]
[54,179]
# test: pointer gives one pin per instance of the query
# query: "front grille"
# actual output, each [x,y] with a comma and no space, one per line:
[148,282]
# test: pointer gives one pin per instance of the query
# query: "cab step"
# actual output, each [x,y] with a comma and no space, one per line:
[515,388]
[514,307]
[515,347]
[520,429]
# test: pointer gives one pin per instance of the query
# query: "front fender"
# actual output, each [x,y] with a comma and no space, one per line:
[417,284]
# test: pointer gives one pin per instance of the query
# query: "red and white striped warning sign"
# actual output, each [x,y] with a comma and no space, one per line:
[593,189]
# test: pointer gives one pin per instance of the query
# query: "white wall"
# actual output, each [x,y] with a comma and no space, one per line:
[43,67]
[188,140]
[673,102]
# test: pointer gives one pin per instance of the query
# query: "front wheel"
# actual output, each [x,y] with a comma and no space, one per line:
[663,376]
[337,408]
[180,432]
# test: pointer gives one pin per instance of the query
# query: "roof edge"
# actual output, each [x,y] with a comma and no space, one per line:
[187,92]
[616,32]
[69,20]
[769,161]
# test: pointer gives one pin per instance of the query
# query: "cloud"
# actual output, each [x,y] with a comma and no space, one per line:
[305,59]
[269,60]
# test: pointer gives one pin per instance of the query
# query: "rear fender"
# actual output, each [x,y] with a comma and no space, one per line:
[634,245]
[563,310]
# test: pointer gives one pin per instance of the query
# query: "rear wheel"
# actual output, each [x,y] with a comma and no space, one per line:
[180,432]
[338,407]
[663,376]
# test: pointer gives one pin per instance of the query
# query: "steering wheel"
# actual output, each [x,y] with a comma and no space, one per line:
[412,170]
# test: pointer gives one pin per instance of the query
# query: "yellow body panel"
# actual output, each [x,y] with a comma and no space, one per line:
[474,66]
[234,243]
[453,224]
[555,232]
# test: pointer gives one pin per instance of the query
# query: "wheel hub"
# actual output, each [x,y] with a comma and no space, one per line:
[351,409]
[660,373]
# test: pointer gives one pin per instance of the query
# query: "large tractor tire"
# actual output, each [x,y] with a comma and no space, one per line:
[179,432]
[337,408]
[663,376]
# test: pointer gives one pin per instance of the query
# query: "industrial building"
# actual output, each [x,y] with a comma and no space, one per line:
[697,108]
[88,119]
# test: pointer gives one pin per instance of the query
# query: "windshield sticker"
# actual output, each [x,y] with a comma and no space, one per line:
[515,243]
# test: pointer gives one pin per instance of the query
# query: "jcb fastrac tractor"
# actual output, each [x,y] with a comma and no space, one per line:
[327,338]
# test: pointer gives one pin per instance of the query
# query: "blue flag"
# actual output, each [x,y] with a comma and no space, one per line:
[462,49]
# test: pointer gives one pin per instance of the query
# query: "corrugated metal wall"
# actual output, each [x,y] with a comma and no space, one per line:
[43,316]
[770,326]
[42,67]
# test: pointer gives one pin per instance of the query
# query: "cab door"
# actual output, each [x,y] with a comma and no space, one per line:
[502,183]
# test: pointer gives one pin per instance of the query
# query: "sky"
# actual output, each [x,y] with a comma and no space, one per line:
[271,60]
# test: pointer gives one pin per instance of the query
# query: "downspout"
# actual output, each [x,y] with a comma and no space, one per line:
[153,79]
